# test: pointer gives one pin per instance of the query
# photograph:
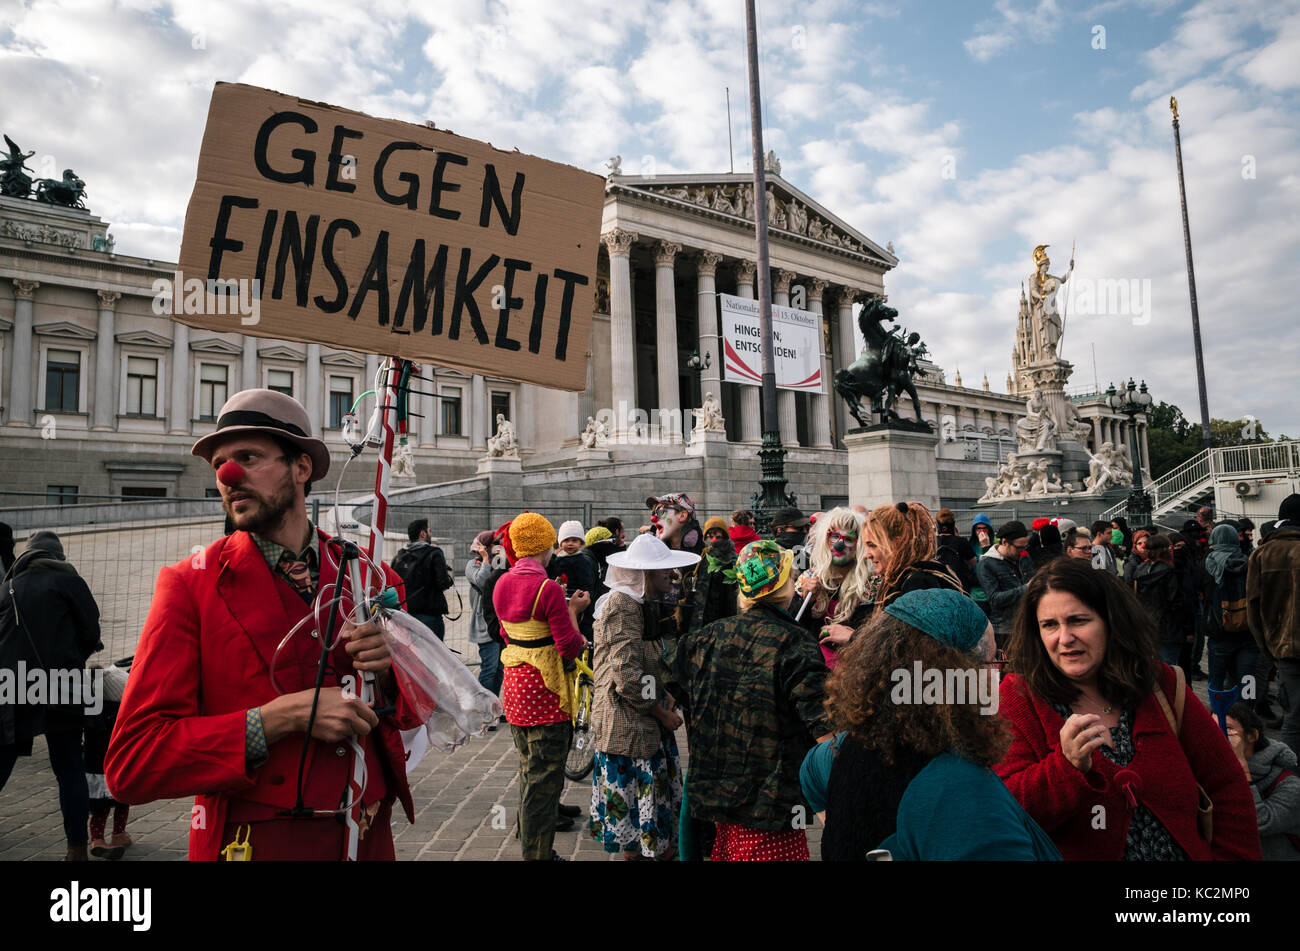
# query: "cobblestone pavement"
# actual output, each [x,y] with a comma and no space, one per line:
[455,796]
[455,816]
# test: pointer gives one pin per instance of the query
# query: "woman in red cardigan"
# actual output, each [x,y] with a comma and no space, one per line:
[1094,759]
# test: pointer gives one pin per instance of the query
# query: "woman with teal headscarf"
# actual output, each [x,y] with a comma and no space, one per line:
[910,771]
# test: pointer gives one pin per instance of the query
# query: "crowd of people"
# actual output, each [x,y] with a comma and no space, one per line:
[785,683]
[924,689]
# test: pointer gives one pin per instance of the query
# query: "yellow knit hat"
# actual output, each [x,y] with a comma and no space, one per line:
[531,534]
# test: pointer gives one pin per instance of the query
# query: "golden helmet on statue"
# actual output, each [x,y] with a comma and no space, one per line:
[1040,254]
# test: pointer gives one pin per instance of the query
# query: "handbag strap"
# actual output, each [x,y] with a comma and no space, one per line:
[1175,716]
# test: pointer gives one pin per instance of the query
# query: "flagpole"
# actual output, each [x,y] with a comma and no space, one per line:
[1191,283]
[772,482]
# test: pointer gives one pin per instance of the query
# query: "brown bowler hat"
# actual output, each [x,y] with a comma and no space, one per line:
[266,412]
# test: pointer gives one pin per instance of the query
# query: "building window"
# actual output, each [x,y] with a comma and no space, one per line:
[451,413]
[62,380]
[141,386]
[500,404]
[213,379]
[211,493]
[340,400]
[60,495]
[144,492]
[280,380]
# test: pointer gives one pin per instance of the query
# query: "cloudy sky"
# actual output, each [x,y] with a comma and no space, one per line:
[964,132]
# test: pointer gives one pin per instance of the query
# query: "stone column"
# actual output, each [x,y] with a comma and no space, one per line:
[706,318]
[1096,433]
[587,399]
[524,429]
[21,388]
[818,404]
[478,411]
[248,379]
[1143,453]
[786,409]
[312,392]
[848,349]
[430,406]
[179,410]
[372,368]
[622,330]
[751,397]
[105,408]
[666,339]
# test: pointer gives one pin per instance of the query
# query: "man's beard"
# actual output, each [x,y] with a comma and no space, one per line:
[269,513]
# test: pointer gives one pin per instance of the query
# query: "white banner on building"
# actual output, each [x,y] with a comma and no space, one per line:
[795,343]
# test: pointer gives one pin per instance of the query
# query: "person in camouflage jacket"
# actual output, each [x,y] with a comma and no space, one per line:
[755,686]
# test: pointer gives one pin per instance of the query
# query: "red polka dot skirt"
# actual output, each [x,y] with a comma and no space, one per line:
[526,699]
[737,843]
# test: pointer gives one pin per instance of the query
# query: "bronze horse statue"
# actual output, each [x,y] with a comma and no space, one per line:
[884,370]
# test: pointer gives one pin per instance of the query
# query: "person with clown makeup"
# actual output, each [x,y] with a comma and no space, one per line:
[837,585]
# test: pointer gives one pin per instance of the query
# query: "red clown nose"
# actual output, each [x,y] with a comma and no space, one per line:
[231,473]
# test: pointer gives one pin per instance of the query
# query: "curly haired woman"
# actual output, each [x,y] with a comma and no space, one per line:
[913,770]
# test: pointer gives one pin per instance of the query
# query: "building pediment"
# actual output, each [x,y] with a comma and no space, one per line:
[280,352]
[342,359]
[63,328]
[216,345]
[143,338]
[793,215]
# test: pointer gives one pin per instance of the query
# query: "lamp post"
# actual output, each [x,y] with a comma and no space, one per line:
[1132,401]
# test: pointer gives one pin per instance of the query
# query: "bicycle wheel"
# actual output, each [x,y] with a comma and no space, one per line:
[582,750]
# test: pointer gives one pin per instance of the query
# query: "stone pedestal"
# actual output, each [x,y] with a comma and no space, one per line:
[708,444]
[593,457]
[892,465]
[500,465]
[505,481]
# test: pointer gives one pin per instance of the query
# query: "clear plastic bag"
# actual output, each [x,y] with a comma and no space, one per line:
[441,689]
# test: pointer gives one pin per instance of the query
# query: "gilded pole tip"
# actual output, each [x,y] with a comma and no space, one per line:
[1173,106]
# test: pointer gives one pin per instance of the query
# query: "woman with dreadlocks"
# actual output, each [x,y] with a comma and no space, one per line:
[900,541]
[838,586]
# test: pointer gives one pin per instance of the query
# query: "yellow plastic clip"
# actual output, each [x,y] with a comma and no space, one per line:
[238,851]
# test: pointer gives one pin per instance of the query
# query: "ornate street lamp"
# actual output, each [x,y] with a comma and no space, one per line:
[1133,401]
[698,366]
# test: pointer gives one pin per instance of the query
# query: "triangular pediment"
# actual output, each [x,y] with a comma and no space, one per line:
[216,345]
[280,352]
[144,338]
[63,328]
[343,359]
[796,216]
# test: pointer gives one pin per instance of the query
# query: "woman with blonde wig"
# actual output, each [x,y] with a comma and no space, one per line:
[899,540]
[837,586]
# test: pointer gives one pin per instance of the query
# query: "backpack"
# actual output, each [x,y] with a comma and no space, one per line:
[949,558]
[415,567]
[1229,604]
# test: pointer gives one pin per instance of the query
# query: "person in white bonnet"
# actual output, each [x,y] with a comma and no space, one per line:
[574,569]
[636,791]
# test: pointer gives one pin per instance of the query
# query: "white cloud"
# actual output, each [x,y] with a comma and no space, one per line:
[1013,22]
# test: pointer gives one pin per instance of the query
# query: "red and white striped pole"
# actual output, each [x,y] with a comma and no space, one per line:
[387,399]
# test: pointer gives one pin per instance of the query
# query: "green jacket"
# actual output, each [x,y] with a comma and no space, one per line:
[755,686]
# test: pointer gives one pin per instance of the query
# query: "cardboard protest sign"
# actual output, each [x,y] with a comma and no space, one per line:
[318,224]
[796,345]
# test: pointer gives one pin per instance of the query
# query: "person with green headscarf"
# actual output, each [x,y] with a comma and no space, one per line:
[912,767]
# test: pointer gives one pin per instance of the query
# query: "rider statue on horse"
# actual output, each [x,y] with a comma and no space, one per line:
[884,370]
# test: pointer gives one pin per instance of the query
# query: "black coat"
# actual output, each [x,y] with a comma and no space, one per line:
[49,621]
[1004,584]
[1160,589]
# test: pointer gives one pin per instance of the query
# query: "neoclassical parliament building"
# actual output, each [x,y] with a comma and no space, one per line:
[102,396]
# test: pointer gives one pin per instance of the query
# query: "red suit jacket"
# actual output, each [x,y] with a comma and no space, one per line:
[1062,800]
[203,660]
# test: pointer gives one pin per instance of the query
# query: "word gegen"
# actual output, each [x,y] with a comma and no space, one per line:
[295,248]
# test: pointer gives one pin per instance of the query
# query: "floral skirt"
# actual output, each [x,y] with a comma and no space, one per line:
[635,803]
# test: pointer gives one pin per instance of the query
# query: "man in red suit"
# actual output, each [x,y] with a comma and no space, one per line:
[216,707]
